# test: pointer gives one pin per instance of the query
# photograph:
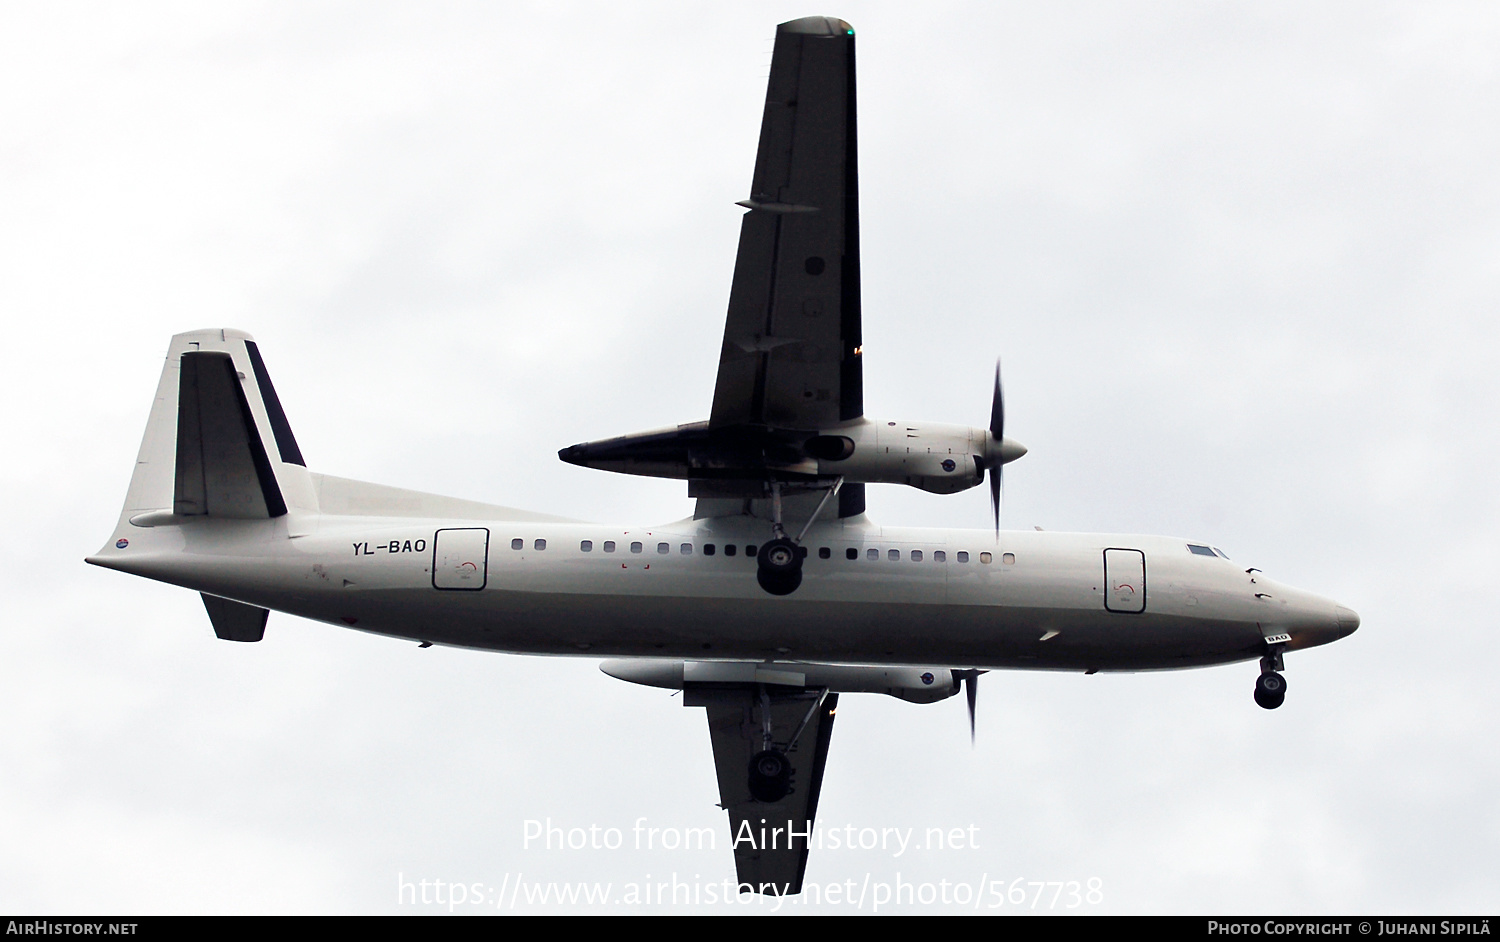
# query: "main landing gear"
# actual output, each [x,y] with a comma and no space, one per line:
[779,566]
[779,562]
[1270,686]
[771,768]
[770,776]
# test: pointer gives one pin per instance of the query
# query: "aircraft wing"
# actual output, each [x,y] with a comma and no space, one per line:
[769,838]
[790,357]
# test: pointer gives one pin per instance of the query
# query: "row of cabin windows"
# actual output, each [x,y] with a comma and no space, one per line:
[731,549]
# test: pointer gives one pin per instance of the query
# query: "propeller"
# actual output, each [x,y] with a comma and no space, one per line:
[997,432]
[970,680]
[1000,452]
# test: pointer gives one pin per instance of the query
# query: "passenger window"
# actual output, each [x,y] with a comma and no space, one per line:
[750,550]
[663,549]
[636,547]
[730,549]
[686,549]
[708,549]
[872,554]
[985,557]
[587,546]
[540,544]
[609,546]
[916,556]
[938,556]
[851,553]
[824,552]
[1009,559]
[963,556]
[893,555]
[517,543]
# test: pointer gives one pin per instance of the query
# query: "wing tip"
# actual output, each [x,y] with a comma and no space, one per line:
[817,26]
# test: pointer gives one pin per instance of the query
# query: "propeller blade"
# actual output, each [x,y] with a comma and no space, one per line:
[972,683]
[995,473]
[997,408]
[970,680]
[995,464]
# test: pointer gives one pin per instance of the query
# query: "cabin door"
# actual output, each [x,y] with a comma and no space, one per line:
[460,558]
[1124,580]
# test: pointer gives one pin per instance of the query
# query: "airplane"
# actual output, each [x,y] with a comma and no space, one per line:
[779,593]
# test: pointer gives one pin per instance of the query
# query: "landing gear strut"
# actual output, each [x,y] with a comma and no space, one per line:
[1270,686]
[779,562]
[770,768]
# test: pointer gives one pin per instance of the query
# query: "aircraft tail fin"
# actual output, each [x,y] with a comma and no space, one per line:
[217,443]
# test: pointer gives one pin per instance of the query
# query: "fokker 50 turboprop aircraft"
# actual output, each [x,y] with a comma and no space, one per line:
[778,594]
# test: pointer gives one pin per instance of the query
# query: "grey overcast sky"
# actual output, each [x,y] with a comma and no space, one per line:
[1242,261]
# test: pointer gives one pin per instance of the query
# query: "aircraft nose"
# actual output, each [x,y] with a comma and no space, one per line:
[1348,621]
[1311,619]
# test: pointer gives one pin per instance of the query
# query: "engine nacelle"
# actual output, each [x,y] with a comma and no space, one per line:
[942,459]
[913,684]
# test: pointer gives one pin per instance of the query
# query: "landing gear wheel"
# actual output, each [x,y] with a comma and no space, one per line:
[770,776]
[1270,690]
[779,583]
[780,556]
[779,566]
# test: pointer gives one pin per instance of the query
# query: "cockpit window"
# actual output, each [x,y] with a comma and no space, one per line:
[1221,552]
[1198,550]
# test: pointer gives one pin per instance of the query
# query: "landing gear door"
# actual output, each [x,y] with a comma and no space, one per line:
[460,558]
[1124,580]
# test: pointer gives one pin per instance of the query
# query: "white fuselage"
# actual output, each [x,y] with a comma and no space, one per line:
[958,598]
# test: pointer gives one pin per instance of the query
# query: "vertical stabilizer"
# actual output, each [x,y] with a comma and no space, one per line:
[222,466]
[218,443]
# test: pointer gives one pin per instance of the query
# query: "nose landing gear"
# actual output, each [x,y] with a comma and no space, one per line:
[1270,690]
[1270,686]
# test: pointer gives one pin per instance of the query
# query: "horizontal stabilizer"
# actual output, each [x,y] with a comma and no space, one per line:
[235,621]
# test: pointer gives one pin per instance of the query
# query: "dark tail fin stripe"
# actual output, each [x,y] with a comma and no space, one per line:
[286,443]
[222,468]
